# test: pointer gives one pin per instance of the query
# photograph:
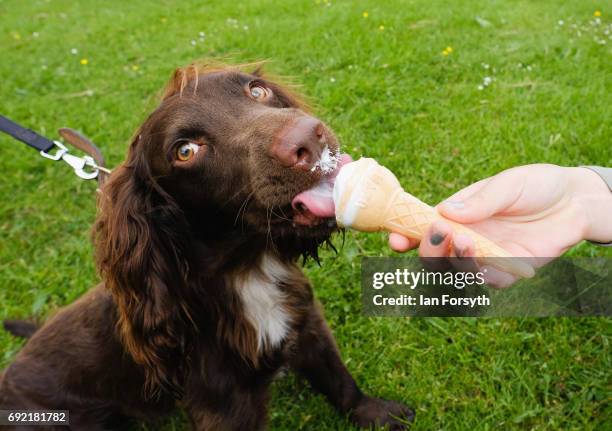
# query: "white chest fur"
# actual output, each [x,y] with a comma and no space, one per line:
[263,302]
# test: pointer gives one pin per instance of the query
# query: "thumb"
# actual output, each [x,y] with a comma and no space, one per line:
[493,197]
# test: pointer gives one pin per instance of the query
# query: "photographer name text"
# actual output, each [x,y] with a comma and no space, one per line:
[421,300]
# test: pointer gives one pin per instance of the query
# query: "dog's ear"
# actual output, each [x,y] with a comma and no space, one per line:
[286,92]
[258,71]
[181,79]
[142,252]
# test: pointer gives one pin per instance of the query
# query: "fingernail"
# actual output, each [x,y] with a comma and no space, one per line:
[455,204]
[461,245]
[436,238]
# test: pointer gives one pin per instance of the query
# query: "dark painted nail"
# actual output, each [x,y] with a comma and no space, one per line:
[436,239]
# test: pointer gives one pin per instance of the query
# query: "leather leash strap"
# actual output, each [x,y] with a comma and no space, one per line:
[83,143]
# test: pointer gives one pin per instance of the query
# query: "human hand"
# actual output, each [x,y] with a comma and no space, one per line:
[535,211]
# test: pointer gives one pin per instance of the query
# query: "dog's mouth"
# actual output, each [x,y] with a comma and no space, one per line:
[315,206]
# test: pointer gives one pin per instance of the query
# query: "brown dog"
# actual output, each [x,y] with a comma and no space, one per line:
[202,302]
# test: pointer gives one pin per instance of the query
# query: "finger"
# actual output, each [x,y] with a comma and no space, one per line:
[400,243]
[435,246]
[496,278]
[495,195]
[465,193]
[463,254]
[437,240]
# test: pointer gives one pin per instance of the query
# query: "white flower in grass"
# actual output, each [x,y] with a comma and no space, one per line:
[332,79]
[193,42]
[486,81]
[561,22]
[74,51]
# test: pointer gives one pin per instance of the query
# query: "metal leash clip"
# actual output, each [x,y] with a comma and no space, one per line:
[84,167]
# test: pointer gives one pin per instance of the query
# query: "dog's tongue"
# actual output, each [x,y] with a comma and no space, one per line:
[318,201]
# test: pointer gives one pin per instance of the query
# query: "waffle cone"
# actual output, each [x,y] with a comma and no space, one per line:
[369,198]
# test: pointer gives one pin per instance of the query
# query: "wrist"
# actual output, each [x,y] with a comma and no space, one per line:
[594,201]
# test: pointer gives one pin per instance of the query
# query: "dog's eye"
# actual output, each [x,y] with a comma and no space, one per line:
[259,92]
[186,151]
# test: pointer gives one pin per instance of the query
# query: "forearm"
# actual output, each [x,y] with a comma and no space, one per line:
[594,197]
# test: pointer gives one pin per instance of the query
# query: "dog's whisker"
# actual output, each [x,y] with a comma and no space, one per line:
[282,217]
[247,185]
[269,238]
[268,233]
[285,215]
[243,206]
[248,201]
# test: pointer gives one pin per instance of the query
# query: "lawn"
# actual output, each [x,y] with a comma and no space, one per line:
[444,93]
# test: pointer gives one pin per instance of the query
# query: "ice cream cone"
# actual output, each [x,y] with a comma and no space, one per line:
[369,198]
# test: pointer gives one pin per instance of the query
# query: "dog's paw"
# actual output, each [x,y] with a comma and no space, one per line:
[376,412]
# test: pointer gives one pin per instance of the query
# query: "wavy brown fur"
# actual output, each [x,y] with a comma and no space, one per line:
[179,244]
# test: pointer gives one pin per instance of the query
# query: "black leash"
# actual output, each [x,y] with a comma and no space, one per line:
[26,136]
[84,167]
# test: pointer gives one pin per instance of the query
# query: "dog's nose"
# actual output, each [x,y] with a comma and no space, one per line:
[300,144]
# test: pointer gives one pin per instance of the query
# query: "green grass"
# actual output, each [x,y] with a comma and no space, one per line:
[388,94]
